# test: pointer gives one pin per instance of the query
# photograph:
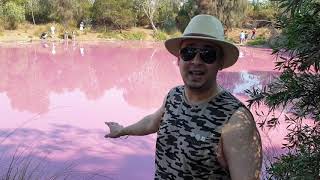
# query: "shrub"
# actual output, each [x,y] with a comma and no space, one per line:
[110,35]
[160,36]
[295,92]
[260,40]
[133,35]
[169,26]
[13,14]
[176,34]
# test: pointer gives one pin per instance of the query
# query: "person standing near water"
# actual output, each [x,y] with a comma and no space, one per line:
[254,31]
[81,26]
[203,131]
[52,30]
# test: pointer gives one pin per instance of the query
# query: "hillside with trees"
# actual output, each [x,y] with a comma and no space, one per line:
[113,18]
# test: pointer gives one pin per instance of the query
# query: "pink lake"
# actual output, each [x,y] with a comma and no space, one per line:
[55,98]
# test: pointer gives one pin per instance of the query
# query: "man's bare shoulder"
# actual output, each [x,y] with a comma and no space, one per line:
[242,145]
[241,118]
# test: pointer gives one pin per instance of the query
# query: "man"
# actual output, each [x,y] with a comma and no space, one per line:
[203,132]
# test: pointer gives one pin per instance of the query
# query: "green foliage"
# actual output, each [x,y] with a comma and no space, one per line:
[175,35]
[303,163]
[160,36]
[134,35]
[296,89]
[40,10]
[231,12]
[123,35]
[110,35]
[166,14]
[260,40]
[169,26]
[116,13]
[13,14]
[187,11]
[63,11]
[266,10]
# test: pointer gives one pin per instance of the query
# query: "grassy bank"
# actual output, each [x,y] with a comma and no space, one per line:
[29,32]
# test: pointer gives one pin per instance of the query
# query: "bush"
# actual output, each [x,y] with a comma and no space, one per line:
[133,35]
[13,14]
[295,92]
[110,35]
[176,34]
[160,36]
[260,40]
[169,26]
[1,27]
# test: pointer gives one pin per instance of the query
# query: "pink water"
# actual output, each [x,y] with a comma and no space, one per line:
[55,98]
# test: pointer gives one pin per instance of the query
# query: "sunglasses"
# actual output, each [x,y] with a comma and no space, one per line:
[208,55]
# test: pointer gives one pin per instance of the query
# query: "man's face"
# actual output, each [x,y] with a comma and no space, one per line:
[195,72]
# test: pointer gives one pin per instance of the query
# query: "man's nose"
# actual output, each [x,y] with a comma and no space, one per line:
[197,59]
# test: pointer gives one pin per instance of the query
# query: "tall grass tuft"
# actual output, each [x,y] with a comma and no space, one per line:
[27,167]
[160,36]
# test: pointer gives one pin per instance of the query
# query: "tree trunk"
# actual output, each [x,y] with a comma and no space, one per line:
[34,22]
[153,26]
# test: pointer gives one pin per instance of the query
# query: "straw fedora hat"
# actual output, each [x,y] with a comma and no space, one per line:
[208,28]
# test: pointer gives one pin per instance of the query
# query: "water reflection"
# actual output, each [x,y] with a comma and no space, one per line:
[60,95]
[29,74]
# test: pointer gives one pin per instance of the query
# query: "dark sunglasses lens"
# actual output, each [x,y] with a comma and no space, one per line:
[187,53]
[208,55]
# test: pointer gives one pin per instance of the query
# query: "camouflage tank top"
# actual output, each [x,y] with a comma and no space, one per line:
[188,137]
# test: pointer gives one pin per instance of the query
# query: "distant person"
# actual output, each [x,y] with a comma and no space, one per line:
[242,37]
[81,26]
[66,36]
[246,35]
[253,36]
[203,131]
[73,35]
[53,29]
[44,35]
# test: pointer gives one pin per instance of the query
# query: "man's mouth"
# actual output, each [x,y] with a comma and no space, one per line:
[196,72]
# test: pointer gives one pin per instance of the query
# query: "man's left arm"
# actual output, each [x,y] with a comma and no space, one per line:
[242,146]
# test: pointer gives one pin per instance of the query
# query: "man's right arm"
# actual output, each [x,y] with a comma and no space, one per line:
[148,125]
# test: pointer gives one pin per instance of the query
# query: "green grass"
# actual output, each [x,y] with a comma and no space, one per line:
[110,35]
[133,35]
[175,35]
[258,41]
[160,36]
[123,36]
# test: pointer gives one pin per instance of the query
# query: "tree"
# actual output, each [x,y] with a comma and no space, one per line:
[167,12]
[116,13]
[150,7]
[296,91]
[230,12]
[33,5]
[39,11]
[186,12]
[13,14]
[63,11]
